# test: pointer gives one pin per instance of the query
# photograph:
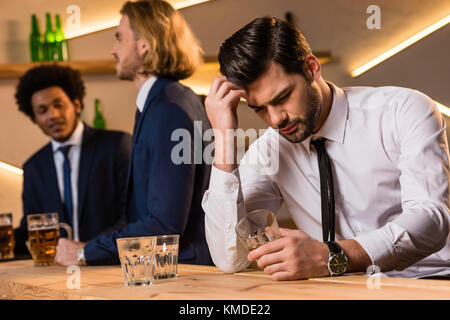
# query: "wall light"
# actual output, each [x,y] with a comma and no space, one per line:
[10,168]
[445,110]
[400,47]
[114,21]
[187,3]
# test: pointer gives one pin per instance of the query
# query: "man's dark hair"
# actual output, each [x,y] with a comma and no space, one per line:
[46,76]
[246,55]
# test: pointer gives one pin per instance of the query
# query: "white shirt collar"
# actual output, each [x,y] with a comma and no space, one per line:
[334,126]
[74,140]
[144,91]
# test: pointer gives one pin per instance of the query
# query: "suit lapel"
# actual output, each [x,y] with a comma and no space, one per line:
[86,156]
[50,180]
[154,91]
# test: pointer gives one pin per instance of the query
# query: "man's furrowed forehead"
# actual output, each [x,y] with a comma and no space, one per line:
[271,84]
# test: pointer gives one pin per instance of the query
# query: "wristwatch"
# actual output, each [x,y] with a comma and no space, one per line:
[337,260]
[80,257]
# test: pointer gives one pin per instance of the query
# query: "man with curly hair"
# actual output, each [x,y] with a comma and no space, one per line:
[81,172]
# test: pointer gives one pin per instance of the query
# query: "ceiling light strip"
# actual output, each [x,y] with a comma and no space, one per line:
[99,27]
[10,168]
[400,47]
[444,109]
[114,21]
[187,3]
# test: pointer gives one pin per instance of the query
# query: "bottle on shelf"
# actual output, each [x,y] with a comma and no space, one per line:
[36,45]
[49,40]
[61,48]
[99,120]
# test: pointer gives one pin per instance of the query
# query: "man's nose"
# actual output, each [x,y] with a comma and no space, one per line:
[54,112]
[276,116]
[113,50]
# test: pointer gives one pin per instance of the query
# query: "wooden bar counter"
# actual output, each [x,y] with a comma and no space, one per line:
[21,280]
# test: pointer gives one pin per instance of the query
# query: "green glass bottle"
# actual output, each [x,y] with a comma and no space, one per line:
[60,41]
[36,45]
[99,120]
[49,40]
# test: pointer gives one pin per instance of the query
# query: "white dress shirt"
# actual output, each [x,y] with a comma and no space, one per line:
[74,157]
[144,91]
[389,154]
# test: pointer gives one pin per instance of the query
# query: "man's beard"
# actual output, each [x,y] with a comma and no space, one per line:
[129,68]
[305,126]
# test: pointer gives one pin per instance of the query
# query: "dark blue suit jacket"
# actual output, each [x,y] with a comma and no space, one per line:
[164,197]
[104,161]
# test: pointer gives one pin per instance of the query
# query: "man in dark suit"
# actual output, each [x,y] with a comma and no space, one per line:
[155,48]
[81,174]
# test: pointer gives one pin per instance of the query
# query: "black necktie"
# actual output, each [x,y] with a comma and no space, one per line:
[136,119]
[67,183]
[326,190]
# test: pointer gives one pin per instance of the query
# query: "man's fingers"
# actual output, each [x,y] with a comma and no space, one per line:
[217,82]
[267,248]
[282,276]
[275,268]
[234,96]
[225,89]
[270,259]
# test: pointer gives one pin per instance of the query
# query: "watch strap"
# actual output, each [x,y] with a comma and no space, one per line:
[80,257]
[334,247]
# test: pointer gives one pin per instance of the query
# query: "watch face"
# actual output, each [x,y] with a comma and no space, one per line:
[337,263]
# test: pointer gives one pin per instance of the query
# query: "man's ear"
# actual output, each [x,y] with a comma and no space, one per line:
[143,47]
[312,68]
[77,104]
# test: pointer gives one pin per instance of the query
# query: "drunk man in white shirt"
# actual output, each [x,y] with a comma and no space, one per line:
[388,152]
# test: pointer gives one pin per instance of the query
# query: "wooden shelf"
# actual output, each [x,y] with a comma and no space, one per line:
[98,67]
[200,81]
[15,70]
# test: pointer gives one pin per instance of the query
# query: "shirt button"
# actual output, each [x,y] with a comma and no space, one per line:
[356,229]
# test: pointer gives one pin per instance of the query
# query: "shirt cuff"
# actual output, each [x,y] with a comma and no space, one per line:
[378,246]
[224,185]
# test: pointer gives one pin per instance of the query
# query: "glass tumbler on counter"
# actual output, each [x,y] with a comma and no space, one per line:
[258,228]
[166,264]
[6,236]
[137,258]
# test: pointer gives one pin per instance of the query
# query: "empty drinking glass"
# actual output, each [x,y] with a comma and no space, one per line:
[166,256]
[137,257]
[257,228]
